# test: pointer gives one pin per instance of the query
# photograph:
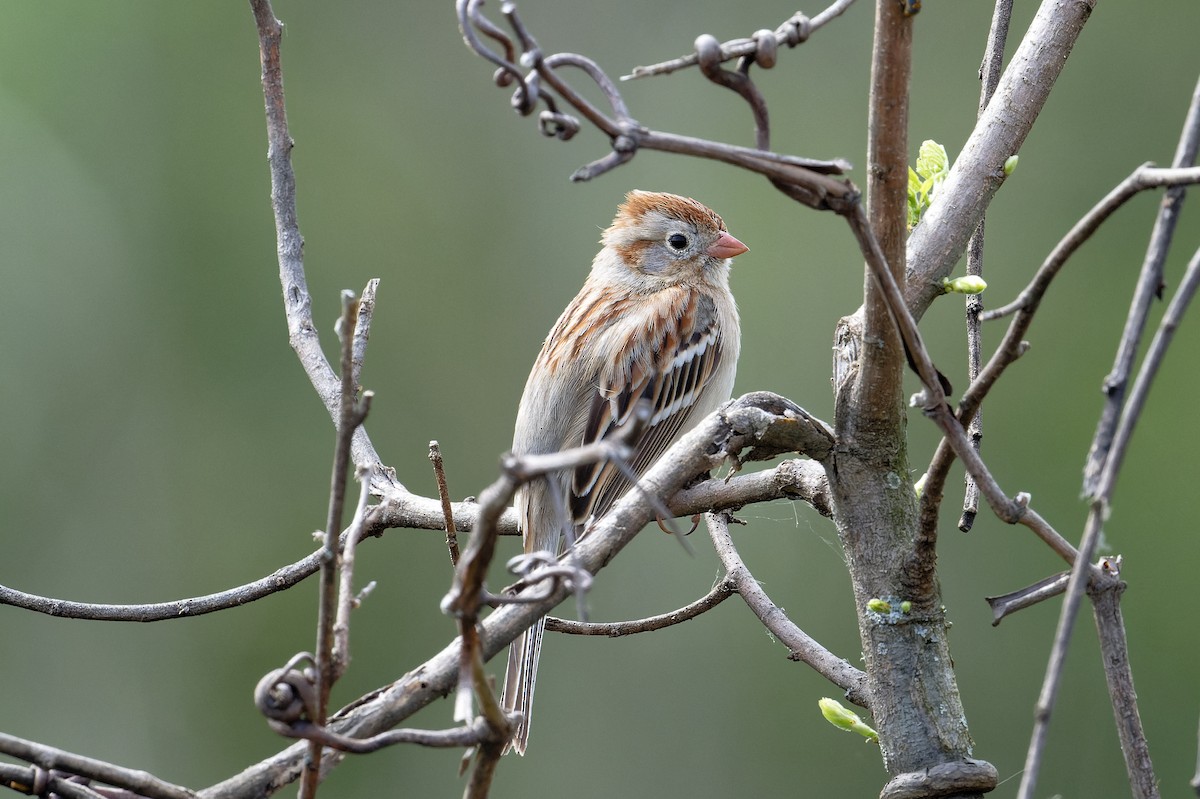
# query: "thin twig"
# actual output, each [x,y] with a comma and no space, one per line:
[794,480]
[970,504]
[616,629]
[709,53]
[36,781]
[439,474]
[486,760]
[1111,629]
[1006,604]
[1146,176]
[1080,575]
[794,31]
[738,426]
[49,757]
[467,735]
[1118,675]
[1157,351]
[1149,286]
[1137,757]
[933,402]
[302,331]
[349,418]
[989,77]
[279,580]
[362,329]
[1013,345]
[937,244]
[807,180]
[347,600]
[494,720]
[801,646]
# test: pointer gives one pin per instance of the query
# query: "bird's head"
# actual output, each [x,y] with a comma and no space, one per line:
[669,239]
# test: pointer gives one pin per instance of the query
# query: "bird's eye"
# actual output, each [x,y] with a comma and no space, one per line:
[677,241]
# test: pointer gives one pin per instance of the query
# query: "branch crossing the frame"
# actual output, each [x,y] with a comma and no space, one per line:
[536,79]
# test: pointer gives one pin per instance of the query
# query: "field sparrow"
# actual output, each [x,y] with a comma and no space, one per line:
[654,320]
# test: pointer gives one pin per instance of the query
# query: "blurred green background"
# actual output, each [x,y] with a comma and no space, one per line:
[160,440]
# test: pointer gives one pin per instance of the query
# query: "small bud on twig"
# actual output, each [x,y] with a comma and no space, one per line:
[843,718]
[967,284]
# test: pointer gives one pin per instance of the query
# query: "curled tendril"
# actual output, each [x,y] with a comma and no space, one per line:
[544,568]
[709,56]
[556,125]
[288,694]
[526,95]
[536,78]
[521,64]
[469,19]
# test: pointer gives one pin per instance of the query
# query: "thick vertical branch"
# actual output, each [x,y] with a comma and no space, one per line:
[917,712]
[881,364]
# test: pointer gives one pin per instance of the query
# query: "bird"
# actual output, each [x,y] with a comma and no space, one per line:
[654,321]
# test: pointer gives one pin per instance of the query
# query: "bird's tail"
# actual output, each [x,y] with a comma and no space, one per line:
[519,679]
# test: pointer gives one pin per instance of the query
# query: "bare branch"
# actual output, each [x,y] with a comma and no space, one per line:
[471,734]
[350,416]
[288,698]
[50,758]
[1149,286]
[439,473]
[1046,588]
[882,230]
[801,646]
[795,480]
[37,781]
[616,629]
[736,427]
[1013,345]
[938,242]
[1118,675]
[708,51]
[804,481]
[1137,758]
[302,331]
[347,600]
[794,31]
[805,180]
[1146,176]
[362,330]
[279,580]
[1157,351]
[989,77]
[486,759]
[1083,575]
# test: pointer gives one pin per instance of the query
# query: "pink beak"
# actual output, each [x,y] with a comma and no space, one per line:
[726,246]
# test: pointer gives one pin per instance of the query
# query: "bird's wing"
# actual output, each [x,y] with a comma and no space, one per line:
[671,367]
